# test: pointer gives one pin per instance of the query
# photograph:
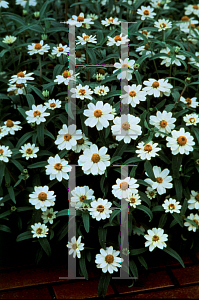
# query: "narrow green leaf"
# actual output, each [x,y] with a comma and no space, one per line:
[178,188]
[17,164]
[176,163]
[173,253]
[11,194]
[2,170]
[45,245]
[137,230]
[40,134]
[149,169]
[142,261]
[24,236]
[133,268]
[103,284]
[158,208]
[114,214]
[138,251]
[162,220]
[82,264]
[146,210]
[24,138]
[86,221]
[39,164]
[178,218]
[102,232]
[30,100]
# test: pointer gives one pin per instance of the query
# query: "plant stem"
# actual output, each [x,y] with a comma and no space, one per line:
[40,68]
[156,68]
[163,35]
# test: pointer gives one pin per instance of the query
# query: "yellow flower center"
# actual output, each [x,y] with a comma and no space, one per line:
[182,140]
[86,37]
[97,113]
[192,120]
[42,196]
[125,126]
[38,46]
[109,259]
[80,19]
[60,49]
[52,104]
[95,157]
[20,74]
[29,151]
[147,148]
[66,74]
[80,141]
[197,197]
[163,25]
[124,185]
[19,85]
[9,123]
[82,91]
[159,179]
[155,84]
[101,91]
[155,238]
[146,12]
[171,206]
[132,200]
[185,18]
[39,230]
[36,113]
[67,137]
[82,198]
[132,93]
[117,38]
[111,19]
[100,208]
[1,151]
[58,166]
[163,123]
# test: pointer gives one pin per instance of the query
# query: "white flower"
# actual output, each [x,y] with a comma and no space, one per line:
[24,2]
[12,126]
[108,260]
[3,131]
[130,129]
[162,180]
[146,33]
[155,238]
[82,92]
[157,4]
[98,115]
[21,77]
[101,90]
[67,137]
[125,64]
[162,24]
[193,61]
[188,26]
[1,204]
[92,16]
[146,48]
[39,230]
[86,39]
[42,197]
[17,89]
[4,4]
[49,215]
[5,152]
[94,161]
[59,50]
[134,95]
[81,193]
[65,77]
[180,142]
[79,21]
[146,12]
[192,9]
[167,60]
[100,209]
[52,104]
[191,119]
[190,102]
[37,114]
[118,40]
[75,246]
[57,168]
[194,200]
[125,188]
[171,206]
[194,218]
[134,200]
[82,144]
[110,21]
[157,88]
[29,150]
[147,151]
[80,56]
[151,193]
[163,122]
[9,39]
[39,48]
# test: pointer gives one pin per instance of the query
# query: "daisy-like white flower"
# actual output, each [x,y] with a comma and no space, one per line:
[130,128]
[12,126]
[146,33]
[49,215]
[187,26]
[17,89]
[82,92]
[98,115]
[57,168]
[21,77]
[94,161]
[134,200]
[52,104]
[190,102]
[193,61]
[171,205]
[42,198]
[67,137]
[191,119]
[3,131]
[146,12]
[125,64]
[39,230]
[151,193]
[75,246]
[80,56]
[4,4]
[167,60]
[82,144]
[147,151]
[37,114]
[9,39]
[24,2]
[163,121]
[110,21]
[29,150]
[108,260]
[158,4]
[60,50]
[5,152]
[194,200]
[118,40]
[146,48]
[84,39]
[100,209]
[192,9]
[194,218]
[134,95]
[101,90]
[180,142]
[39,48]
[79,20]
[157,88]
[156,238]
[81,193]
[92,16]
[163,181]
[125,188]
[65,77]
[162,24]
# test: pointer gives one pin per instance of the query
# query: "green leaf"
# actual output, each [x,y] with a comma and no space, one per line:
[2,170]
[24,236]
[137,230]
[160,104]
[176,163]
[191,222]
[178,188]
[114,214]
[173,253]
[158,208]
[39,164]
[62,232]
[17,164]
[40,134]
[30,100]
[115,158]
[102,232]
[82,264]
[144,198]
[24,208]
[133,268]
[132,160]
[64,212]
[5,228]
[138,251]
[184,207]
[57,71]
[146,210]
[5,214]
[11,194]
[24,138]
[149,169]
[142,261]
[45,245]
[44,8]
[196,133]
[162,221]
[178,218]
[103,284]
[22,111]
[92,55]
[86,217]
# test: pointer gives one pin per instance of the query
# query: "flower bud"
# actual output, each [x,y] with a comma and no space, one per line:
[188,79]
[44,37]
[13,208]
[32,125]
[37,14]
[25,12]
[26,177]
[25,171]
[136,66]
[197,161]
[46,93]
[177,49]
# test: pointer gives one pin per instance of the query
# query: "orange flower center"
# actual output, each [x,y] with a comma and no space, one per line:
[100,208]
[101,71]
[185,18]
[60,49]
[182,140]
[111,19]
[82,198]
[147,147]
[20,74]
[19,85]
[189,101]
[192,25]
[52,104]
[163,25]
[195,7]
[109,259]
[67,137]
[101,91]
[39,230]
[117,38]
[29,151]
[151,194]
[42,196]
[58,166]
[146,47]
[169,53]
[49,215]
[197,197]
[192,119]
[132,200]
[144,32]
[171,206]
[125,126]
[146,12]
[9,123]
[1,151]
[97,113]
[36,113]
[66,74]
[155,84]
[80,141]
[80,19]
[86,37]
[125,66]
[82,91]
[155,238]
[74,246]
[195,221]
[159,179]
[132,93]
[124,185]
[38,46]
[163,123]
[95,157]
[78,53]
